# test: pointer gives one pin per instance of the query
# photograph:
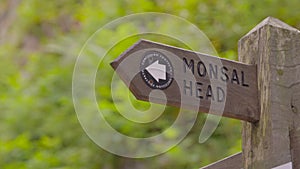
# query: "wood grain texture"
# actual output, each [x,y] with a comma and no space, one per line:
[294,86]
[231,162]
[240,101]
[275,47]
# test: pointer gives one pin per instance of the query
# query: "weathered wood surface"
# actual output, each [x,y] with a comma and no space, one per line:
[240,100]
[275,47]
[231,162]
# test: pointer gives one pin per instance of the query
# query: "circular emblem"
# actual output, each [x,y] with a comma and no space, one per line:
[156,70]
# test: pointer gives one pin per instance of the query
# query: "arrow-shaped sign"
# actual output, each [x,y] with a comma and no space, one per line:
[190,80]
[157,71]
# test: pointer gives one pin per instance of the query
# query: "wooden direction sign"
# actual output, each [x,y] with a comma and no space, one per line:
[189,80]
[234,162]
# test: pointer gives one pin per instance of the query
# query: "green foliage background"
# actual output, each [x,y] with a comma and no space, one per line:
[39,43]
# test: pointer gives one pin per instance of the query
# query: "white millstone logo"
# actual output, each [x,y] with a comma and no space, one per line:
[156,70]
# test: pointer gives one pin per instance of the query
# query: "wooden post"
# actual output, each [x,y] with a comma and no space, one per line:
[275,48]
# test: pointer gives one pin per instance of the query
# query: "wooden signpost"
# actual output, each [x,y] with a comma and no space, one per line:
[263,90]
[186,78]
